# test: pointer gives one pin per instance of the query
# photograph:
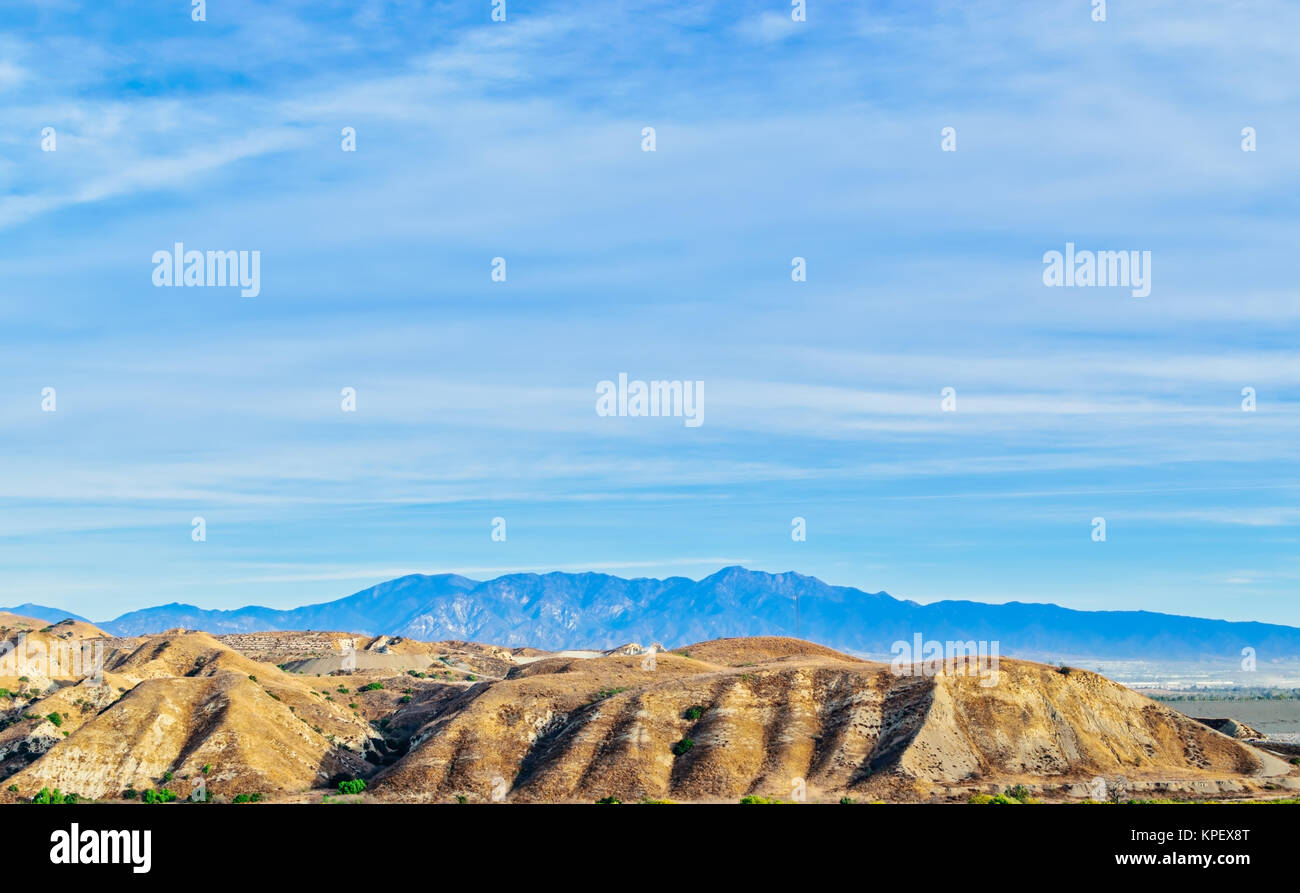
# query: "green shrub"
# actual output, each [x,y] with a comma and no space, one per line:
[1019,793]
[404,699]
[693,713]
[129,794]
[207,767]
[607,801]
[167,776]
[246,798]
[752,799]
[159,795]
[847,801]
[991,798]
[55,718]
[354,786]
[372,686]
[684,745]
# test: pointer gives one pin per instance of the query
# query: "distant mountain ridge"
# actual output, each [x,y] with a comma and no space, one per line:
[556,611]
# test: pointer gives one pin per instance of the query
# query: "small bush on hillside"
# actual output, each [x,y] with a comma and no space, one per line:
[608,801]
[752,799]
[684,745]
[371,686]
[353,786]
[55,718]
[1019,793]
[45,795]
[694,713]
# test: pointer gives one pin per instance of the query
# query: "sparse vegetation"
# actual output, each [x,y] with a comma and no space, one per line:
[160,795]
[1020,794]
[371,686]
[55,718]
[352,786]
[247,798]
[605,693]
[694,712]
[754,799]
[608,801]
[45,795]
[684,745]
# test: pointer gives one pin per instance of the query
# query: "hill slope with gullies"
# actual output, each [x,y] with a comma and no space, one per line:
[717,721]
[732,718]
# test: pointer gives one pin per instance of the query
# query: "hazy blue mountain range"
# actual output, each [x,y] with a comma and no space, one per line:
[560,610]
[41,612]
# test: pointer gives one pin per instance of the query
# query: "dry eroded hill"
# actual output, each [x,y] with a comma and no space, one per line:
[715,721]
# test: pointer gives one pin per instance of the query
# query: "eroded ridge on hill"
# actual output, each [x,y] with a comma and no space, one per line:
[287,715]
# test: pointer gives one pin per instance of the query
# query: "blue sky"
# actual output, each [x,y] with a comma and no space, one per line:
[476,399]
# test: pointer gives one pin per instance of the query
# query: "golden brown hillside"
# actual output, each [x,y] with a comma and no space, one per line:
[767,716]
[714,721]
